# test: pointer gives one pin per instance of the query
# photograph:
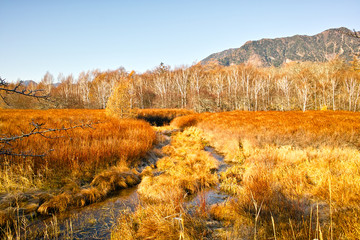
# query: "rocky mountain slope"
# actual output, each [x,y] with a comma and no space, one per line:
[274,52]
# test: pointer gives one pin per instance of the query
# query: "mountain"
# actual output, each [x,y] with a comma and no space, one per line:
[27,83]
[274,52]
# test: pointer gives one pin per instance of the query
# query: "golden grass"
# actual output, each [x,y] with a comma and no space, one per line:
[116,178]
[186,169]
[80,166]
[77,154]
[297,173]
[161,221]
[188,120]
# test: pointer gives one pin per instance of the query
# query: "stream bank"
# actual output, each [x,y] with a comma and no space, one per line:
[178,202]
[88,220]
[97,220]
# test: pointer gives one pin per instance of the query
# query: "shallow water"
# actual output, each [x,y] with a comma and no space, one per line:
[94,221]
[91,222]
[223,166]
[213,195]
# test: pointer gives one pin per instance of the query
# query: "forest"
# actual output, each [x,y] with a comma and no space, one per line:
[332,85]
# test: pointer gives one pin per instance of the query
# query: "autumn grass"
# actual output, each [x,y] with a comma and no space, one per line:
[79,154]
[161,221]
[295,173]
[188,120]
[185,170]
[78,167]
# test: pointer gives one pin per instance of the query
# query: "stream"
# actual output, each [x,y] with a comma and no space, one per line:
[212,195]
[95,221]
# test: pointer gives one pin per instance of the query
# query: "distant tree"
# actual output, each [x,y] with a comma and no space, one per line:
[197,81]
[303,87]
[120,103]
[83,86]
[181,77]
[352,87]
[162,84]
[284,84]
[259,82]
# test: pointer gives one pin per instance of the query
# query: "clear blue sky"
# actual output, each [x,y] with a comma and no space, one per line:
[71,36]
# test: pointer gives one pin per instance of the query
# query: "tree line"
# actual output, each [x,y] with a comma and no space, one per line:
[333,85]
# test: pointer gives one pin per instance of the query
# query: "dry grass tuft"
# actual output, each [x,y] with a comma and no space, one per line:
[114,179]
[7,216]
[57,204]
[87,196]
[160,221]
[103,184]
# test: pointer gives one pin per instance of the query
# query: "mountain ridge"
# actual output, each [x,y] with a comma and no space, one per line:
[276,51]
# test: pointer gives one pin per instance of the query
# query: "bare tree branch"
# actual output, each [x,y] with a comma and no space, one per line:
[4,86]
[9,152]
[38,129]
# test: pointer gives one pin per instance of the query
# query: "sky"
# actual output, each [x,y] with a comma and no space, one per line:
[71,36]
